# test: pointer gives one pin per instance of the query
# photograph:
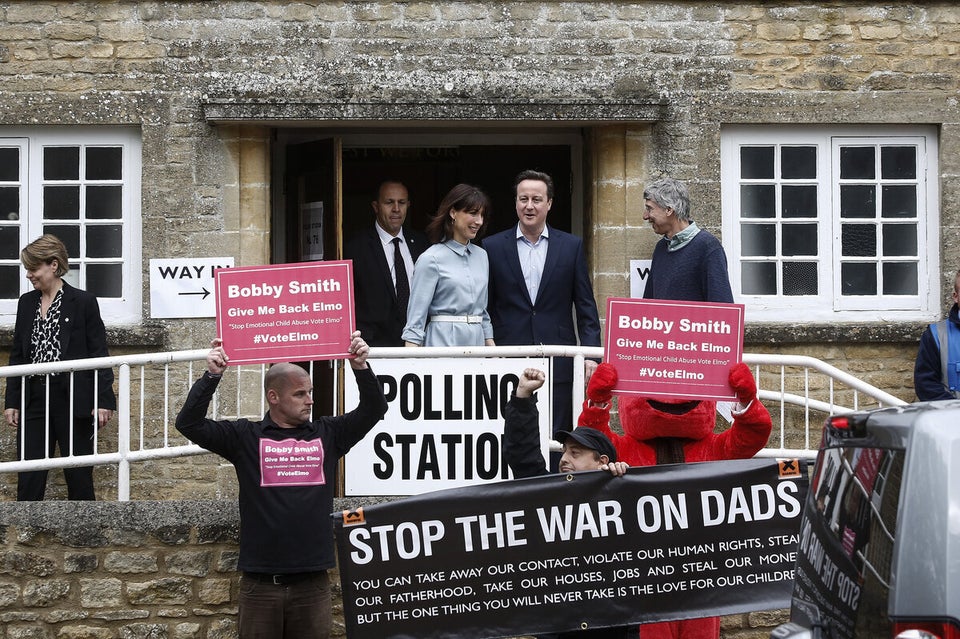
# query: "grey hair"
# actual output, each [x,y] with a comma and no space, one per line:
[669,193]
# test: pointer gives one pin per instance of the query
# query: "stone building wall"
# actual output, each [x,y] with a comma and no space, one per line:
[139,570]
[649,83]
[206,82]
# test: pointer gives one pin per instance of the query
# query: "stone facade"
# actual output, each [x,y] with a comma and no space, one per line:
[649,83]
[140,569]
[647,87]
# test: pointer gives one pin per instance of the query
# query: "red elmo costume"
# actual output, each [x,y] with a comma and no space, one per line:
[668,431]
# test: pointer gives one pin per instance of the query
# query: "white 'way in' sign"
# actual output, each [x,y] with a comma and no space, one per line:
[184,287]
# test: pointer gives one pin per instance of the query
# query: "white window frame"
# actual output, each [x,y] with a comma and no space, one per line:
[829,305]
[126,309]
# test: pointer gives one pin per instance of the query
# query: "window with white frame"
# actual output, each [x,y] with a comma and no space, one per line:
[82,185]
[832,223]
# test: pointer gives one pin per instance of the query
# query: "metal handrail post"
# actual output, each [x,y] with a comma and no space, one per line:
[579,383]
[123,435]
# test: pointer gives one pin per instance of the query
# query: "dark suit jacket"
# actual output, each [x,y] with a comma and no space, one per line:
[379,318]
[565,290]
[82,335]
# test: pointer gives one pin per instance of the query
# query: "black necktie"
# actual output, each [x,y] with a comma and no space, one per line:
[400,271]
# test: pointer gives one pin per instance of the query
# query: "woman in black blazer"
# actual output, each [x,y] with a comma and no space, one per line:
[56,322]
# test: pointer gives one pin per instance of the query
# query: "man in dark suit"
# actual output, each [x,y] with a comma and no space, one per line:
[538,283]
[381,285]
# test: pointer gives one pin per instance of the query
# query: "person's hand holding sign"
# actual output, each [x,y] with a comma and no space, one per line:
[359,350]
[743,384]
[617,468]
[217,359]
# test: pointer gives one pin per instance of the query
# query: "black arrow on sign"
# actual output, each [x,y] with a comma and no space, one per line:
[205,293]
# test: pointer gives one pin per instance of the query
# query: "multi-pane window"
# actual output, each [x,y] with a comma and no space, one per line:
[778,220]
[82,186]
[12,195]
[879,195]
[831,224]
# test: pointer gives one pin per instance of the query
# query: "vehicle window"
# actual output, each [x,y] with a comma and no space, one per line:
[847,536]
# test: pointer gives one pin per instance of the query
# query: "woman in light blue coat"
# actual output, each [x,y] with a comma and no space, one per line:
[448,295]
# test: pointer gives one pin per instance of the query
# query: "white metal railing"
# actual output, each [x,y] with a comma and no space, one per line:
[798,391]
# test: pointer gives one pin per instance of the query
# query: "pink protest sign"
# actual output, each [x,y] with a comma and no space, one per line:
[291,462]
[666,348]
[285,312]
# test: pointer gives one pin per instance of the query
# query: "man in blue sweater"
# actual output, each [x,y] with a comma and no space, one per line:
[688,263]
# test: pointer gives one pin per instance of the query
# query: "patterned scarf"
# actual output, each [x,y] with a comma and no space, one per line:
[45,337]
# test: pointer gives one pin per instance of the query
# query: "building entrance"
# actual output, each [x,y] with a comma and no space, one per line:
[330,178]
[343,172]
[429,172]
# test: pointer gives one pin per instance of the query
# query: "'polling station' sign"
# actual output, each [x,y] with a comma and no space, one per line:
[566,552]
[285,312]
[665,348]
[443,427]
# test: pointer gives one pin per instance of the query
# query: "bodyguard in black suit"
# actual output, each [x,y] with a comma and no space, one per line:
[381,296]
[538,283]
[57,322]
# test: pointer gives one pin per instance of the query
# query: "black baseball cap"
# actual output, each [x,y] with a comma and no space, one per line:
[589,438]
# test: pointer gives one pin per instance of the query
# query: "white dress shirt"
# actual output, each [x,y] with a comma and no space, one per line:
[533,255]
[387,241]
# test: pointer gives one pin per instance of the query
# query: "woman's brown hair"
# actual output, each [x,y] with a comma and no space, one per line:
[462,197]
[44,250]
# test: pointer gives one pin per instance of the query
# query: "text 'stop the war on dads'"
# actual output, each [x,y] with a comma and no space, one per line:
[666,348]
[285,312]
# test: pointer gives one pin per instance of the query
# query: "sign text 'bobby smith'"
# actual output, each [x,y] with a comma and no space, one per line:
[329,285]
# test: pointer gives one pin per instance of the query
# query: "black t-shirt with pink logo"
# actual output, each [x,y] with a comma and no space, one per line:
[286,475]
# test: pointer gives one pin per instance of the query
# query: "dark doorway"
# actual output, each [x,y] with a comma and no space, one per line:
[429,172]
[311,185]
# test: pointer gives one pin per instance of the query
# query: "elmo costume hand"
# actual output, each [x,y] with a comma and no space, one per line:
[742,382]
[600,388]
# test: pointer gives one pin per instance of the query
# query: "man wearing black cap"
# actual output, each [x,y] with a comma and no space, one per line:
[583,449]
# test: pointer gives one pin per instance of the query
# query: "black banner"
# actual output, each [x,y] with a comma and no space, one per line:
[827,577]
[574,551]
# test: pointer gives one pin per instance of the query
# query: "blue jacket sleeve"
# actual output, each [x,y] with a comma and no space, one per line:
[588,320]
[718,278]
[927,375]
[422,290]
